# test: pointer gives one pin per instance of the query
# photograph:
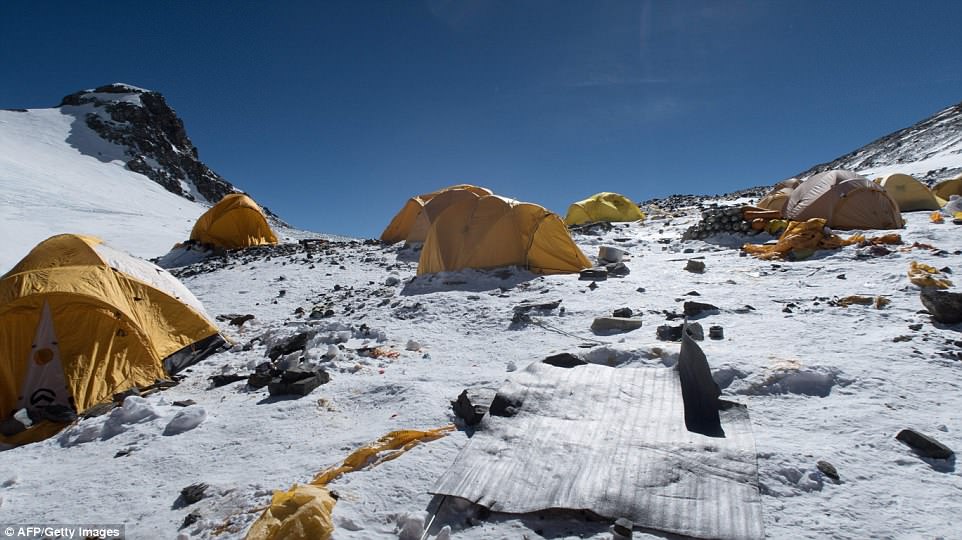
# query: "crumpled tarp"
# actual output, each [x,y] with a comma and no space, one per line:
[618,442]
[304,511]
[802,238]
[924,275]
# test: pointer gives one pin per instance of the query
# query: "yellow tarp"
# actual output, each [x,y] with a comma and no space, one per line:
[304,511]
[108,318]
[233,223]
[924,275]
[492,231]
[801,237]
[605,206]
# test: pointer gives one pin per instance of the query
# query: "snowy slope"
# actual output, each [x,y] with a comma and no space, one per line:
[57,175]
[930,150]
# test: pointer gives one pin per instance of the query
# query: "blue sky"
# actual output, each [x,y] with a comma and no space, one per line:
[333,113]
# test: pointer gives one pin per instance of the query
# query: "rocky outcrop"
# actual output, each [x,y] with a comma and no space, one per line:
[153,137]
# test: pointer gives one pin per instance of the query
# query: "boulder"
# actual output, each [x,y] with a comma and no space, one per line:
[945,307]
[924,445]
[697,267]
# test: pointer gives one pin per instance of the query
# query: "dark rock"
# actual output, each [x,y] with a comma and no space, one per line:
[915,327]
[924,445]
[594,274]
[945,307]
[667,332]
[615,324]
[622,312]
[297,382]
[828,470]
[618,269]
[505,405]
[623,528]
[840,276]
[697,267]
[189,520]
[716,332]
[696,309]
[294,343]
[525,307]
[193,493]
[564,360]
[472,404]
[692,293]
[593,286]
[238,321]
[184,403]
[640,289]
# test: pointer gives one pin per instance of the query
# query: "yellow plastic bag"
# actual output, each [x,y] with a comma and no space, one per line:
[924,275]
[300,513]
[394,443]
[936,217]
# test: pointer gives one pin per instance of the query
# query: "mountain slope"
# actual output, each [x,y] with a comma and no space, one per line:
[113,162]
[930,150]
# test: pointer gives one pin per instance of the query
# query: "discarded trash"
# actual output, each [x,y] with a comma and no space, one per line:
[924,275]
[615,324]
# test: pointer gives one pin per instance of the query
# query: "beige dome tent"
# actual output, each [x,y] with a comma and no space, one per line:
[233,223]
[946,188]
[845,200]
[81,321]
[779,194]
[605,206]
[492,231]
[909,193]
[412,222]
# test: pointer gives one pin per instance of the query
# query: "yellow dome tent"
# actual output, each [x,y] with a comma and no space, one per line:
[844,200]
[946,188]
[493,231]
[411,224]
[909,193]
[605,206]
[235,222]
[81,321]
[778,196]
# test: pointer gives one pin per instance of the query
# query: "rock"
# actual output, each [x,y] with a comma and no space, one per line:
[184,403]
[924,445]
[697,267]
[622,529]
[221,380]
[615,324]
[412,345]
[828,470]
[622,312]
[667,332]
[391,281]
[593,286]
[945,307]
[916,327]
[617,269]
[189,520]
[294,343]
[598,273]
[695,309]
[472,404]
[193,493]
[564,360]
[297,382]
[716,332]
[239,321]
[525,307]
[840,276]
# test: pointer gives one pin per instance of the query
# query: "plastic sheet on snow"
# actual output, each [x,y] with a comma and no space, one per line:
[615,442]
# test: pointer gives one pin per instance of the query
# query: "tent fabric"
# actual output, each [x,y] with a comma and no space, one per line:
[411,225]
[909,193]
[233,223]
[618,442]
[113,319]
[779,194]
[944,190]
[493,231]
[845,201]
[605,206]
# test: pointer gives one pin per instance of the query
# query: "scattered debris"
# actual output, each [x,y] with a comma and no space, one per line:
[716,332]
[598,273]
[297,382]
[667,332]
[189,520]
[696,309]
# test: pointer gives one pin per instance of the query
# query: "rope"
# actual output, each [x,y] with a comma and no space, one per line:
[546,326]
